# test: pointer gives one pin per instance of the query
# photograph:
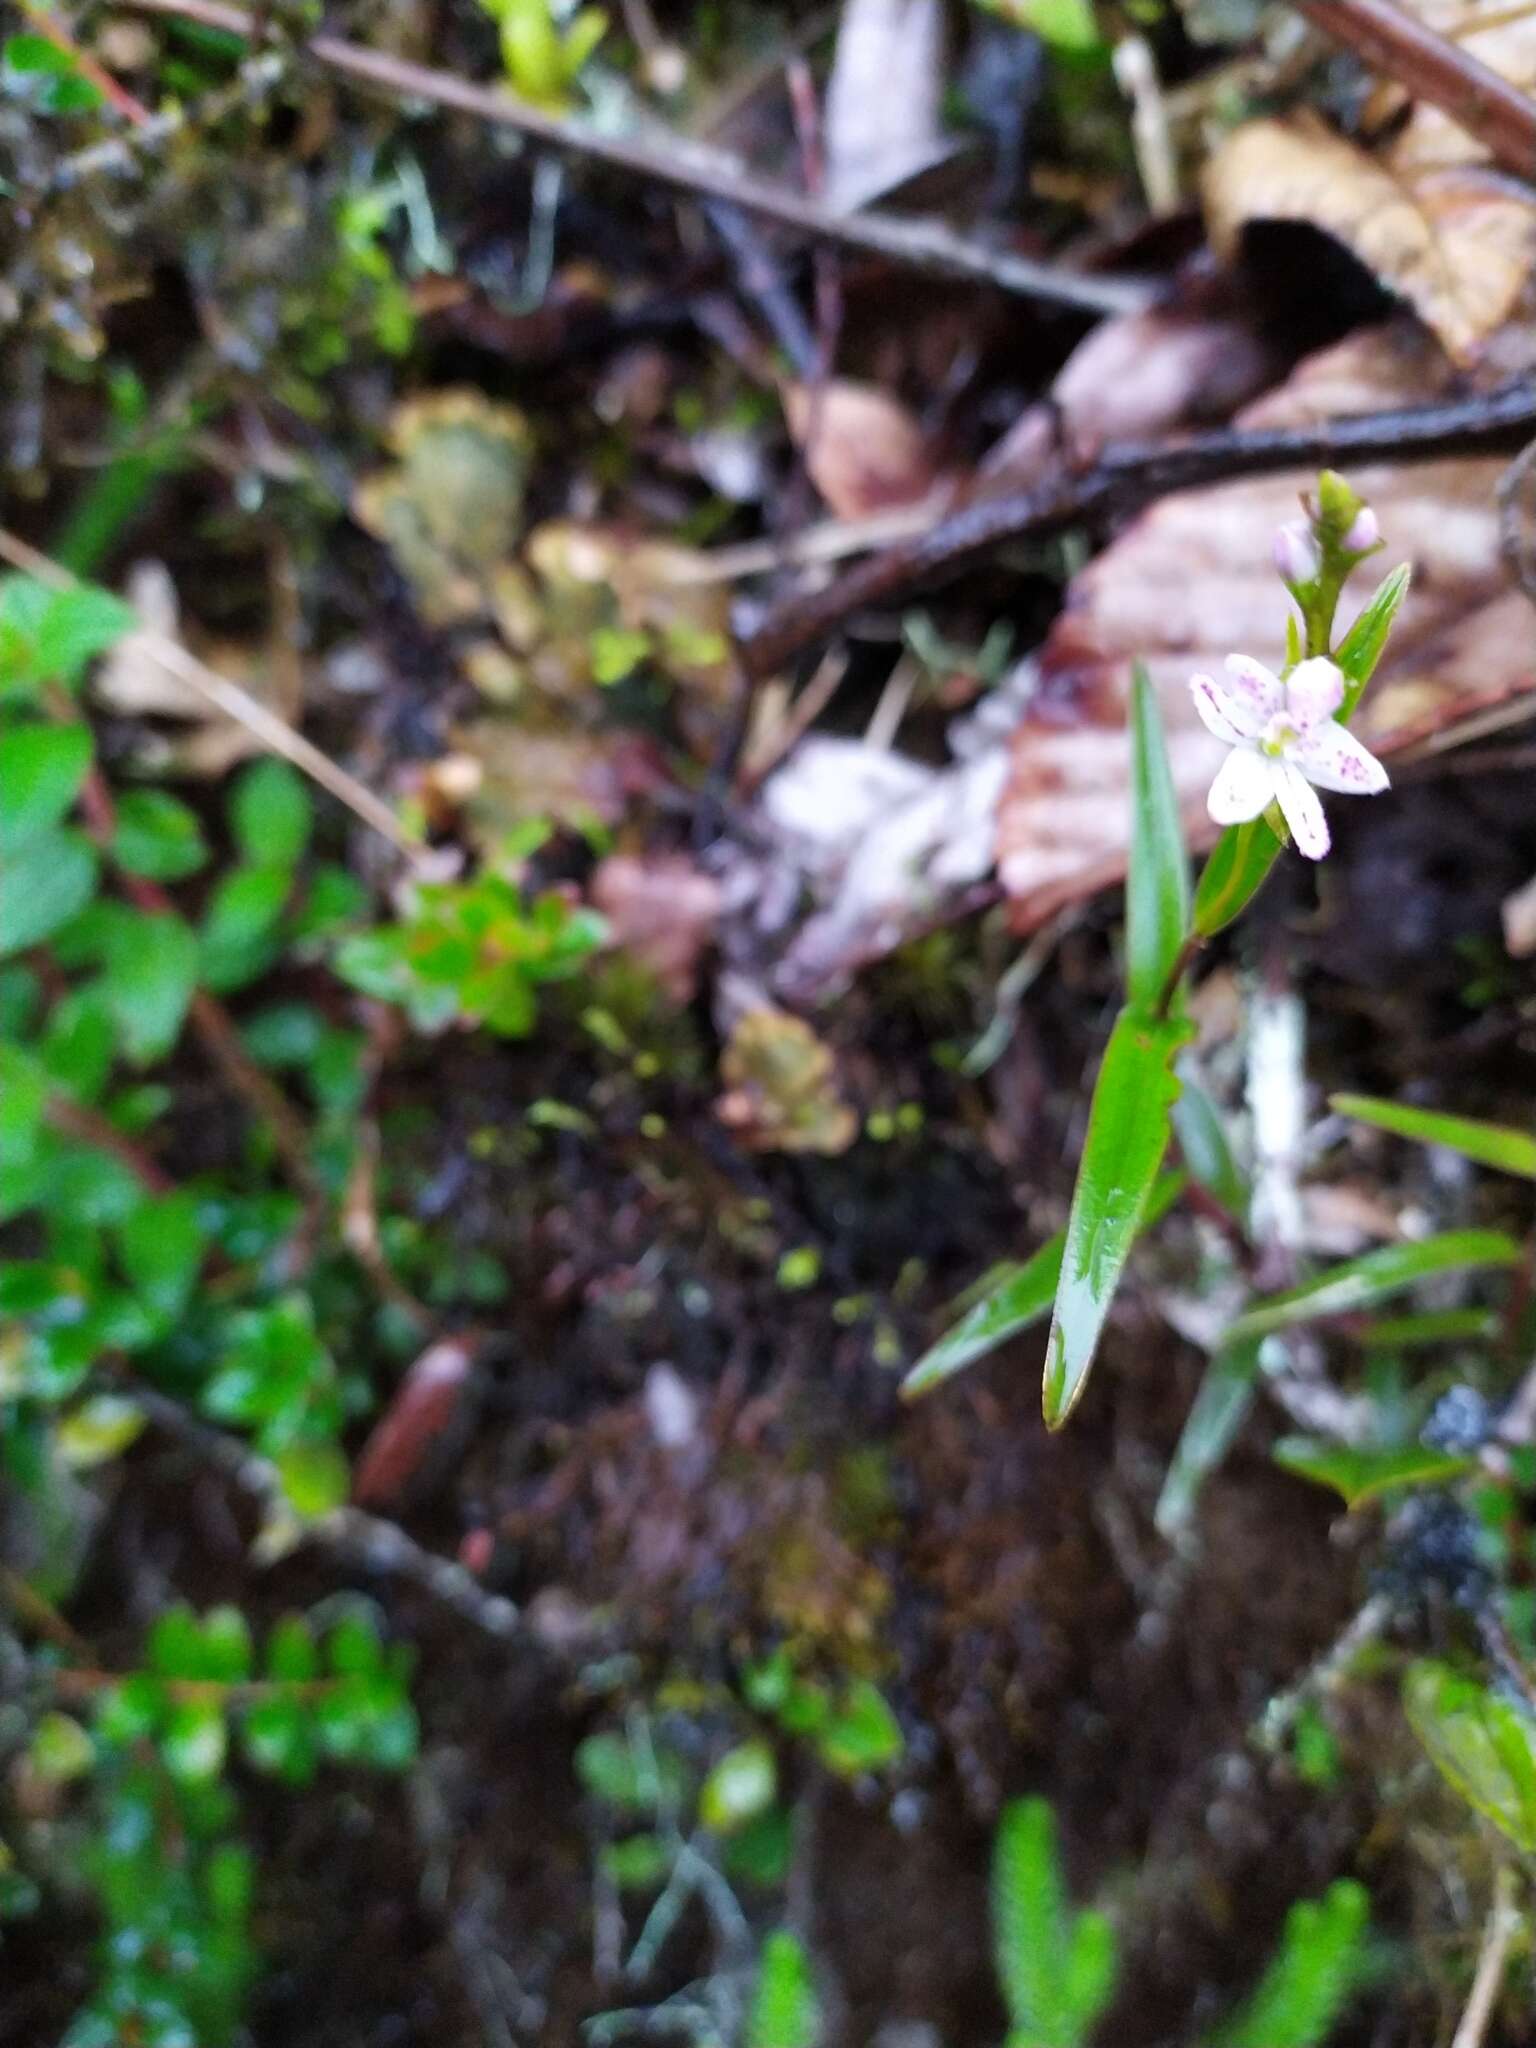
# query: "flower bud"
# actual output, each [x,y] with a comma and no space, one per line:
[1364,533]
[1296,553]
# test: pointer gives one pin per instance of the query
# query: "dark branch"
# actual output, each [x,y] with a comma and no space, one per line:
[1128,477]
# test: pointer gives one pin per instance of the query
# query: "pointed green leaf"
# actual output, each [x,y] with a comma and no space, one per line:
[1360,1474]
[785,2010]
[271,814]
[1202,1137]
[1482,1745]
[1237,869]
[41,770]
[1030,1928]
[1498,1145]
[1361,647]
[1157,896]
[1019,1295]
[1361,1283]
[1313,1974]
[1128,1132]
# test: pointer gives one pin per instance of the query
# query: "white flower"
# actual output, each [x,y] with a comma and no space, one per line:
[1286,744]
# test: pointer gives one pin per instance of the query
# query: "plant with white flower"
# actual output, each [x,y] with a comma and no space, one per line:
[1287,731]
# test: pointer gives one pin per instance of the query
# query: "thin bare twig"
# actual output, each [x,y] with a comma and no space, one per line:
[48,25]
[1502,1925]
[274,733]
[701,172]
[1132,475]
[1393,40]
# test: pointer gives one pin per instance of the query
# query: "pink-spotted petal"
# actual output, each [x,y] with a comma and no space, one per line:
[1333,758]
[1251,696]
[1303,813]
[1244,787]
[1212,704]
[1314,691]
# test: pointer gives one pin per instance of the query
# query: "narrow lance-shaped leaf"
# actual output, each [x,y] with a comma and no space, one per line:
[1361,1283]
[1215,1417]
[1361,648]
[1157,895]
[1019,1296]
[1497,1145]
[1127,1137]
[1236,871]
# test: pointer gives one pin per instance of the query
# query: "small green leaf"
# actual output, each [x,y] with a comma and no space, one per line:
[1361,647]
[1157,898]
[50,881]
[278,1736]
[315,1478]
[1483,1746]
[741,1786]
[292,1653]
[60,1749]
[1360,1475]
[1215,1417]
[23,1098]
[271,815]
[1237,869]
[1127,1136]
[161,1248]
[639,1863]
[634,1777]
[862,1734]
[41,770]
[157,835]
[226,1647]
[97,1430]
[239,935]
[785,2011]
[1375,1276]
[76,625]
[1498,1145]
[150,979]
[194,1741]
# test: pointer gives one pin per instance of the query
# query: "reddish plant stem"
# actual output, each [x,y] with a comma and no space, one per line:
[80,1120]
[47,25]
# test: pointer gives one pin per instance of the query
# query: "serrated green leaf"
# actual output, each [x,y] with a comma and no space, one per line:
[1157,896]
[1238,867]
[1375,1276]
[1128,1129]
[1483,1746]
[41,770]
[43,886]
[271,814]
[1497,1145]
[1360,1475]
[149,981]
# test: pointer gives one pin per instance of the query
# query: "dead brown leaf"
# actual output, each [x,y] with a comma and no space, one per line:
[863,450]
[1427,215]
[1191,581]
[663,909]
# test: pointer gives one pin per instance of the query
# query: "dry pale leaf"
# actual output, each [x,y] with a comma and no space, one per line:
[881,118]
[135,682]
[663,909]
[1427,215]
[1191,581]
[863,450]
